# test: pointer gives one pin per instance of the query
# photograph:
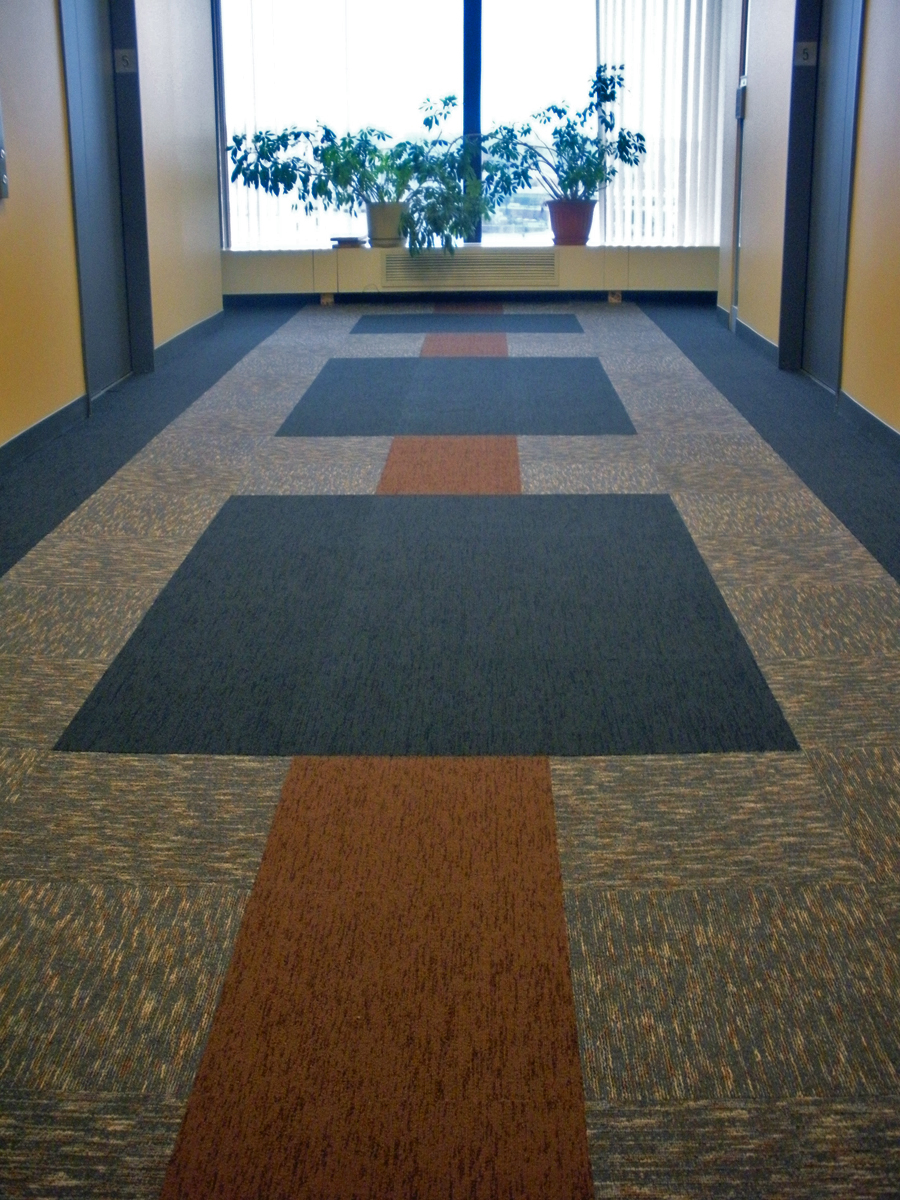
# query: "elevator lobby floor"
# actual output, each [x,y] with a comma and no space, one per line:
[456,756]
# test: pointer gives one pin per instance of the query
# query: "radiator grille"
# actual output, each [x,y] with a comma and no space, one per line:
[476,268]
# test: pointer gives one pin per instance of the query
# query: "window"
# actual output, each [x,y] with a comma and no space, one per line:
[354,63]
[348,63]
[533,55]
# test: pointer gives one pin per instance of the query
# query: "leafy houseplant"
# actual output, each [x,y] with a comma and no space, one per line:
[577,155]
[431,183]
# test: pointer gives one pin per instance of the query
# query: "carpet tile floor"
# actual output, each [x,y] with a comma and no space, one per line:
[733,975]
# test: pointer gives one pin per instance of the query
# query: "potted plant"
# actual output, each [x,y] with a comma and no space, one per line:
[577,155]
[329,171]
[424,190]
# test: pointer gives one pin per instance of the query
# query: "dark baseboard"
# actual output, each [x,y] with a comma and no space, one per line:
[268,299]
[723,316]
[177,345]
[752,338]
[24,444]
[698,299]
[298,299]
[543,297]
[869,425]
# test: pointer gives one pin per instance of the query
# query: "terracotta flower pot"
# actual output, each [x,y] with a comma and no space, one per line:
[571,221]
[383,220]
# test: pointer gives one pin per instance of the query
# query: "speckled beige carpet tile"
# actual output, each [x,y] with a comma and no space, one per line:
[732,919]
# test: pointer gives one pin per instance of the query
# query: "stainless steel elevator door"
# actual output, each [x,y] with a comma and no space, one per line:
[87,44]
[829,223]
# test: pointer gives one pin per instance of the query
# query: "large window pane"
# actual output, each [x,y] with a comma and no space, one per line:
[533,54]
[353,63]
[347,63]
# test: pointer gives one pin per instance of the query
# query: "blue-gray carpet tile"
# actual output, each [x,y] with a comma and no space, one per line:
[437,625]
[855,475]
[39,492]
[371,397]
[462,322]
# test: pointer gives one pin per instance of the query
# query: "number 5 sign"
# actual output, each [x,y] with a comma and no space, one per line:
[805,54]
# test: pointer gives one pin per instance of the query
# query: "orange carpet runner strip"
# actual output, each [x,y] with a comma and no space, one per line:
[397,1020]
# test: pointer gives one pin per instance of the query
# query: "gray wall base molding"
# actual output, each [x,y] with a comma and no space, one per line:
[29,440]
[869,425]
[177,345]
[746,334]
[24,444]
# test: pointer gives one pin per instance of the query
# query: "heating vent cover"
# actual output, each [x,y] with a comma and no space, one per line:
[480,267]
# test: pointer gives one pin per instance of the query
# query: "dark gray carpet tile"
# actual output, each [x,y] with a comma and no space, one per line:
[756,993]
[85,1147]
[458,396]
[804,1149]
[818,620]
[782,512]
[833,703]
[854,476]
[436,625]
[40,696]
[118,562]
[694,820]
[123,510]
[110,988]
[475,322]
[91,621]
[864,786]
[154,819]
[14,768]
[39,493]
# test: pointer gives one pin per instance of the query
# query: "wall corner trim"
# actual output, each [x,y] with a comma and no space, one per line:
[722,316]
[760,343]
[869,425]
[176,346]
[26,443]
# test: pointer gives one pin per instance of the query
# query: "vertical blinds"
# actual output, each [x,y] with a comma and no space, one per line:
[674,95]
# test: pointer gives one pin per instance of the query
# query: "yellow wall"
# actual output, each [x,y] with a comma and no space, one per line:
[40,330]
[871,372]
[769,68]
[175,61]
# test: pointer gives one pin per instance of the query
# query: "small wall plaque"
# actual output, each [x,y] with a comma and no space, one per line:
[805,54]
[126,62]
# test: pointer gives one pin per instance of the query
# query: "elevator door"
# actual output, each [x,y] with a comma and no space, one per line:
[88,54]
[829,224]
